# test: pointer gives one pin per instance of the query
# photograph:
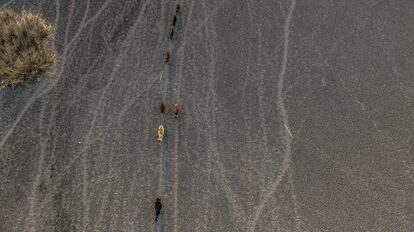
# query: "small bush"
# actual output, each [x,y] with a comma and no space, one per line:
[26,55]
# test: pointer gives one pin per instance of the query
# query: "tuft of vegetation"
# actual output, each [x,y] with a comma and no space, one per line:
[26,55]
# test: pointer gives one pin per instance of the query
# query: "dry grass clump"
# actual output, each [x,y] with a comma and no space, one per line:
[25,48]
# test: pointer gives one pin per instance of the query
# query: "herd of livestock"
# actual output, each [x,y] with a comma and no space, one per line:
[175,109]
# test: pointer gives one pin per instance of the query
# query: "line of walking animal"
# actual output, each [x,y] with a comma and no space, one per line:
[176,108]
[172,31]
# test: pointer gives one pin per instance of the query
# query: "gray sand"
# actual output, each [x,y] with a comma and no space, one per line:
[297,115]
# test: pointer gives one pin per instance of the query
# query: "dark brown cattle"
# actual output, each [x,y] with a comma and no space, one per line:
[172,33]
[162,107]
[167,57]
[174,20]
[177,8]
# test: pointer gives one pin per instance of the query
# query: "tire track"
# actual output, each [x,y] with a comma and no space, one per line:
[56,21]
[30,223]
[19,117]
[249,70]
[261,93]
[237,211]
[284,115]
[120,115]
[98,109]
[71,162]
[202,24]
[297,217]
[71,9]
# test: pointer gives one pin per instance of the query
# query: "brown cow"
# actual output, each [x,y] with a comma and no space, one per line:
[177,8]
[174,20]
[172,33]
[162,107]
[167,57]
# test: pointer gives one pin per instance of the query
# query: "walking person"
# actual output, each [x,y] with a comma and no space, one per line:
[158,207]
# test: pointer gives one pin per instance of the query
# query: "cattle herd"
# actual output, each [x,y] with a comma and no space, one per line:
[176,108]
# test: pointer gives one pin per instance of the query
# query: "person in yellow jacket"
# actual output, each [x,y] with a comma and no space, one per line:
[160,133]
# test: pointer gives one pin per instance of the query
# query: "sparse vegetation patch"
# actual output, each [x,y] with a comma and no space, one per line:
[26,55]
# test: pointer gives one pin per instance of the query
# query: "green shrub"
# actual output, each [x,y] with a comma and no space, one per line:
[26,55]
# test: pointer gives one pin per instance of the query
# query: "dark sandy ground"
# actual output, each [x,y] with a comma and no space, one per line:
[297,115]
